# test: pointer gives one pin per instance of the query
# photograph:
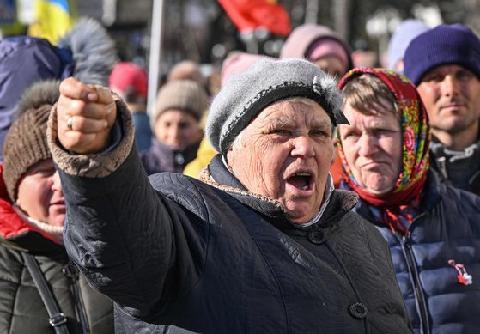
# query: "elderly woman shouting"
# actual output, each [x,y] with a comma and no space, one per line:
[262,245]
[433,230]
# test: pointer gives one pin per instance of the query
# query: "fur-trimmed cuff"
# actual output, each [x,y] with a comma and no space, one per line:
[95,165]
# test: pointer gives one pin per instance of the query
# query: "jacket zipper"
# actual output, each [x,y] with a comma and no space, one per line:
[420,297]
[72,273]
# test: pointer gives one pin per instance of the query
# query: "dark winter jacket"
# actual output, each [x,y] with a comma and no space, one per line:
[459,169]
[448,229]
[213,258]
[21,308]
[161,158]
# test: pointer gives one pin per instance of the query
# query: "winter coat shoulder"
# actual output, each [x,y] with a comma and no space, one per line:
[447,229]
[210,257]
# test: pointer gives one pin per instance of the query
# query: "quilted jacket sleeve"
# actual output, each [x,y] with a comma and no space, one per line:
[134,245]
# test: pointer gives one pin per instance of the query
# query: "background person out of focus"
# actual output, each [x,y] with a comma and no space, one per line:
[130,82]
[24,61]
[176,124]
[432,229]
[403,34]
[444,64]
[235,63]
[188,70]
[33,261]
[321,46]
[32,215]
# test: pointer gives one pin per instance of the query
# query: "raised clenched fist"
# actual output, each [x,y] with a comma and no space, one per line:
[86,114]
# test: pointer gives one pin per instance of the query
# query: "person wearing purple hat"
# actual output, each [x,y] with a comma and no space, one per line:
[444,64]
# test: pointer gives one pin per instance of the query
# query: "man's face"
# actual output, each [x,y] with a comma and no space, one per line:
[40,194]
[285,154]
[177,129]
[451,95]
[372,145]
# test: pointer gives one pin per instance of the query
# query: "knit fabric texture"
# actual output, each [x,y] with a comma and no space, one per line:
[26,142]
[444,44]
[183,95]
[186,70]
[245,95]
[401,38]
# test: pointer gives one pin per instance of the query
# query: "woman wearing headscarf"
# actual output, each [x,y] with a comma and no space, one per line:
[432,230]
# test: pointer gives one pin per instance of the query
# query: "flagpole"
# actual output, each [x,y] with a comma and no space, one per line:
[155,53]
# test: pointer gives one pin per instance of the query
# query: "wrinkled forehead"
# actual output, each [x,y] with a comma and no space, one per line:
[294,106]
[292,109]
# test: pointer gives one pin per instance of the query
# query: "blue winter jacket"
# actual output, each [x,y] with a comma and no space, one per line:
[448,229]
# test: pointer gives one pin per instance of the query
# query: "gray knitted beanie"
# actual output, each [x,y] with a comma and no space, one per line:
[245,95]
[184,95]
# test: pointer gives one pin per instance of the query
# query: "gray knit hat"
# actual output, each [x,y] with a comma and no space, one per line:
[185,95]
[26,141]
[245,95]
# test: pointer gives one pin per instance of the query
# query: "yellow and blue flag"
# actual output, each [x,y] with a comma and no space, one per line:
[54,18]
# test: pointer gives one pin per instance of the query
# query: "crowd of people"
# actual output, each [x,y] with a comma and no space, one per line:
[306,196]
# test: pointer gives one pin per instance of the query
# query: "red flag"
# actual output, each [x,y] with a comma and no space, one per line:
[251,14]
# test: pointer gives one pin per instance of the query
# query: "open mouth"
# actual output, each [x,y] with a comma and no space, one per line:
[301,180]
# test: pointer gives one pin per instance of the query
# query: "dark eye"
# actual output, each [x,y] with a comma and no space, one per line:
[383,132]
[434,78]
[46,172]
[349,135]
[281,132]
[319,133]
[464,75]
[183,126]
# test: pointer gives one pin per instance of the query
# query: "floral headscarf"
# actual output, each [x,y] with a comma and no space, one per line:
[398,208]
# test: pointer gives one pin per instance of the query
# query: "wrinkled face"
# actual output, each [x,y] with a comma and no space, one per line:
[332,65]
[177,129]
[451,95]
[372,145]
[40,194]
[285,154]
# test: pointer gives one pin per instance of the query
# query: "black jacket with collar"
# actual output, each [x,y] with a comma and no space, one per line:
[462,171]
[212,258]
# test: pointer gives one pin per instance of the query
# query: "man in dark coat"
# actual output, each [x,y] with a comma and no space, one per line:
[262,245]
